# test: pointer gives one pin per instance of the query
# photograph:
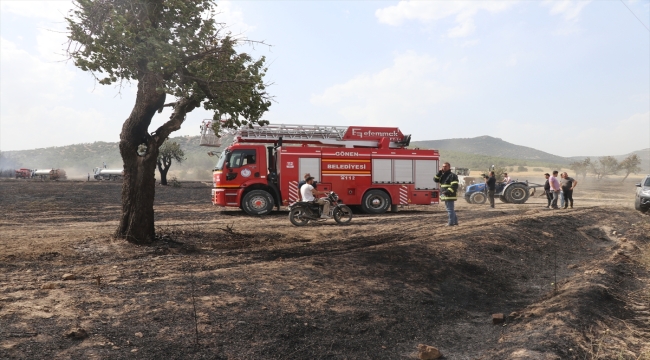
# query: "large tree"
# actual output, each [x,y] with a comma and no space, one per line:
[581,167]
[169,151]
[630,165]
[170,47]
[606,165]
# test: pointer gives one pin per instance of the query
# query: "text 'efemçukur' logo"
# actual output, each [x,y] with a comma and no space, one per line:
[369,133]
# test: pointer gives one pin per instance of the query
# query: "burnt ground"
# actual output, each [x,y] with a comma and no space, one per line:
[573,284]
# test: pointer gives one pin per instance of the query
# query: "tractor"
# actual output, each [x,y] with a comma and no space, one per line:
[514,192]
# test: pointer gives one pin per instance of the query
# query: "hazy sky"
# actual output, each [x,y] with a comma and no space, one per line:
[566,77]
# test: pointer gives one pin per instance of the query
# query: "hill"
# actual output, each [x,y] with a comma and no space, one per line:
[474,153]
[491,147]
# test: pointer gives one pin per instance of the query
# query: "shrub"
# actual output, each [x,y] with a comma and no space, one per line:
[522,169]
[538,169]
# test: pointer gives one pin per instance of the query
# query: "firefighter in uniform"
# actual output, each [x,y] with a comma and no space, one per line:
[449,191]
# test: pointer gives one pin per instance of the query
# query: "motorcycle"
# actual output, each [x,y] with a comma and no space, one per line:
[302,212]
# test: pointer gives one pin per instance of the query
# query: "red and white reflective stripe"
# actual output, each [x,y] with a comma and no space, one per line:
[293,191]
[403,195]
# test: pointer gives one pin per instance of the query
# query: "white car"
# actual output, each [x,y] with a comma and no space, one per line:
[642,198]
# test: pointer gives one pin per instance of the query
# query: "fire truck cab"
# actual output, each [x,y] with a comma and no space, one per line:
[366,166]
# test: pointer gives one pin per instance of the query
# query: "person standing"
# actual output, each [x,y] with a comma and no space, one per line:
[449,188]
[547,190]
[555,188]
[568,184]
[491,184]
[303,181]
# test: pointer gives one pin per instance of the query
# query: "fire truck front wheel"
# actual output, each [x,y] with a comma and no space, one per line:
[375,202]
[257,202]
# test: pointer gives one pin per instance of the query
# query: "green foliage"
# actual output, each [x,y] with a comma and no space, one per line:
[170,151]
[538,169]
[522,169]
[174,182]
[177,40]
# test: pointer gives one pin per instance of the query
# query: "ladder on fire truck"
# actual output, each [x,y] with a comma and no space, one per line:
[313,134]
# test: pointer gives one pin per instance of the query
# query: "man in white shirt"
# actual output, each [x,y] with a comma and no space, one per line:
[308,193]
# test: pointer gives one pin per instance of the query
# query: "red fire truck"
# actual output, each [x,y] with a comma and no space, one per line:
[366,166]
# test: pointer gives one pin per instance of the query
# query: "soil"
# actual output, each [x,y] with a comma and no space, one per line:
[573,284]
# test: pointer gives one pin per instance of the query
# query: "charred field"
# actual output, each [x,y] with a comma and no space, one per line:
[572,284]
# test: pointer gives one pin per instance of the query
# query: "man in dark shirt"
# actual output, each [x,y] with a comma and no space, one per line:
[567,184]
[491,183]
[547,190]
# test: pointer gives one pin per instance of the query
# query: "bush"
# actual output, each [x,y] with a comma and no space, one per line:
[538,169]
[522,169]
[174,182]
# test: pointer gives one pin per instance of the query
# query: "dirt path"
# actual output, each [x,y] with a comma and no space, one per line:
[260,288]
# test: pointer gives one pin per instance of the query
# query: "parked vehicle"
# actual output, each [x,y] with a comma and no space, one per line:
[514,192]
[366,166]
[463,177]
[24,173]
[107,174]
[302,212]
[50,174]
[642,198]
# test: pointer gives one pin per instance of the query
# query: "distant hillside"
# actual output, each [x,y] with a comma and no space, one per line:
[644,155]
[79,159]
[491,147]
[474,153]
[477,162]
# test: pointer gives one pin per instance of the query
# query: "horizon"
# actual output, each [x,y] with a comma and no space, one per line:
[416,141]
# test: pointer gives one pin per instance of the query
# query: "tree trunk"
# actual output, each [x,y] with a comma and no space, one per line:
[139,185]
[626,175]
[163,174]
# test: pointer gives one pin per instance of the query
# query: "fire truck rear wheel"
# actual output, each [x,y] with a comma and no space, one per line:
[375,202]
[257,202]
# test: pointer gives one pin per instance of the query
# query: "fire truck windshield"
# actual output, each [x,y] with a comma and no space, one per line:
[225,156]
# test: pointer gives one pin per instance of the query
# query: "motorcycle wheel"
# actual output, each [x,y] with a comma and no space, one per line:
[342,215]
[296,217]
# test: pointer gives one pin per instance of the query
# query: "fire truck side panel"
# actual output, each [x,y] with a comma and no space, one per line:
[311,166]
[382,171]
[289,174]
[349,172]
[403,171]
[425,171]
